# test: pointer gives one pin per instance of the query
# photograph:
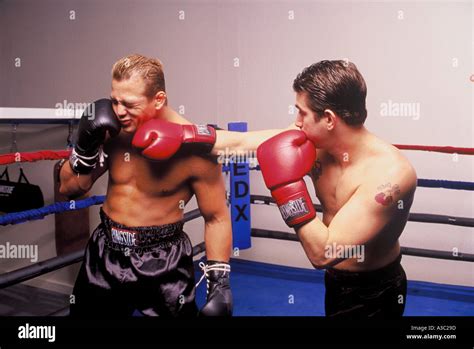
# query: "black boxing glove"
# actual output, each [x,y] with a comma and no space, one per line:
[98,118]
[219,295]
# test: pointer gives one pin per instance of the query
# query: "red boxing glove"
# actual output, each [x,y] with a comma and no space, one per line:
[162,139]
[284,160]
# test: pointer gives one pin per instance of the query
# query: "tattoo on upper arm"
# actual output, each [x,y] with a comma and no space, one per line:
[387,193]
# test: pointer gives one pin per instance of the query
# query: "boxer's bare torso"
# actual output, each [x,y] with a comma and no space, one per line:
[336,184]
[141,192]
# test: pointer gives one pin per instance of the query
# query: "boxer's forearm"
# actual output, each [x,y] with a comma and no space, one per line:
[242,141]
[72,184]
[314,237]
[218,239]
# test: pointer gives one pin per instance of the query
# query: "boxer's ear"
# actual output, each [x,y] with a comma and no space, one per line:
[160,99]
[330,119]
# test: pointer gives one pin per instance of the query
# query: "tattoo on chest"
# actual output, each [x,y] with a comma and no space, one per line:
[386,193]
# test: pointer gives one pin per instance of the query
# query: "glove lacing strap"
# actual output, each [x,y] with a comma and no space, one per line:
[213,267]
[83,160]
[102,157]
[86,160]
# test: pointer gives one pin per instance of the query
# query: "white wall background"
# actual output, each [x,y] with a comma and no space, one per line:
[420,52]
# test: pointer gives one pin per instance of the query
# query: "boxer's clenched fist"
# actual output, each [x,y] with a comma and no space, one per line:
[161,139]
[284,160]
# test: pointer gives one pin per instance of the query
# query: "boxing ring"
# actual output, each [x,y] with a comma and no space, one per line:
[262,289]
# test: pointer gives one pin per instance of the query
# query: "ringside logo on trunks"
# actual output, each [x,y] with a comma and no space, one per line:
[123,237]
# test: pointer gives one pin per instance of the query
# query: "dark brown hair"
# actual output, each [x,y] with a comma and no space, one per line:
[334,85]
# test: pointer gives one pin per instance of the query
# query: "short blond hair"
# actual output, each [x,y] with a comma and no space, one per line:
[149,69]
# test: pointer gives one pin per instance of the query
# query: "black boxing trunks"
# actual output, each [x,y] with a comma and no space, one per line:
[379,293]
[130,269]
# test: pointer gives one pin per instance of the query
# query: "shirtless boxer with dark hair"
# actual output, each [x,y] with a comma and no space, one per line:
[365,186]
[139,258]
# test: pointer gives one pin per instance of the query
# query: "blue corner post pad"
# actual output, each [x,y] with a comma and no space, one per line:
[240,195]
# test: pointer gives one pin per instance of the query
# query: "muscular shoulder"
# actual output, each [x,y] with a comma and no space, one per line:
[391,169]
[203,165]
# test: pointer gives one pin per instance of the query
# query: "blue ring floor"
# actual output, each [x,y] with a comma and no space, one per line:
[261,289]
